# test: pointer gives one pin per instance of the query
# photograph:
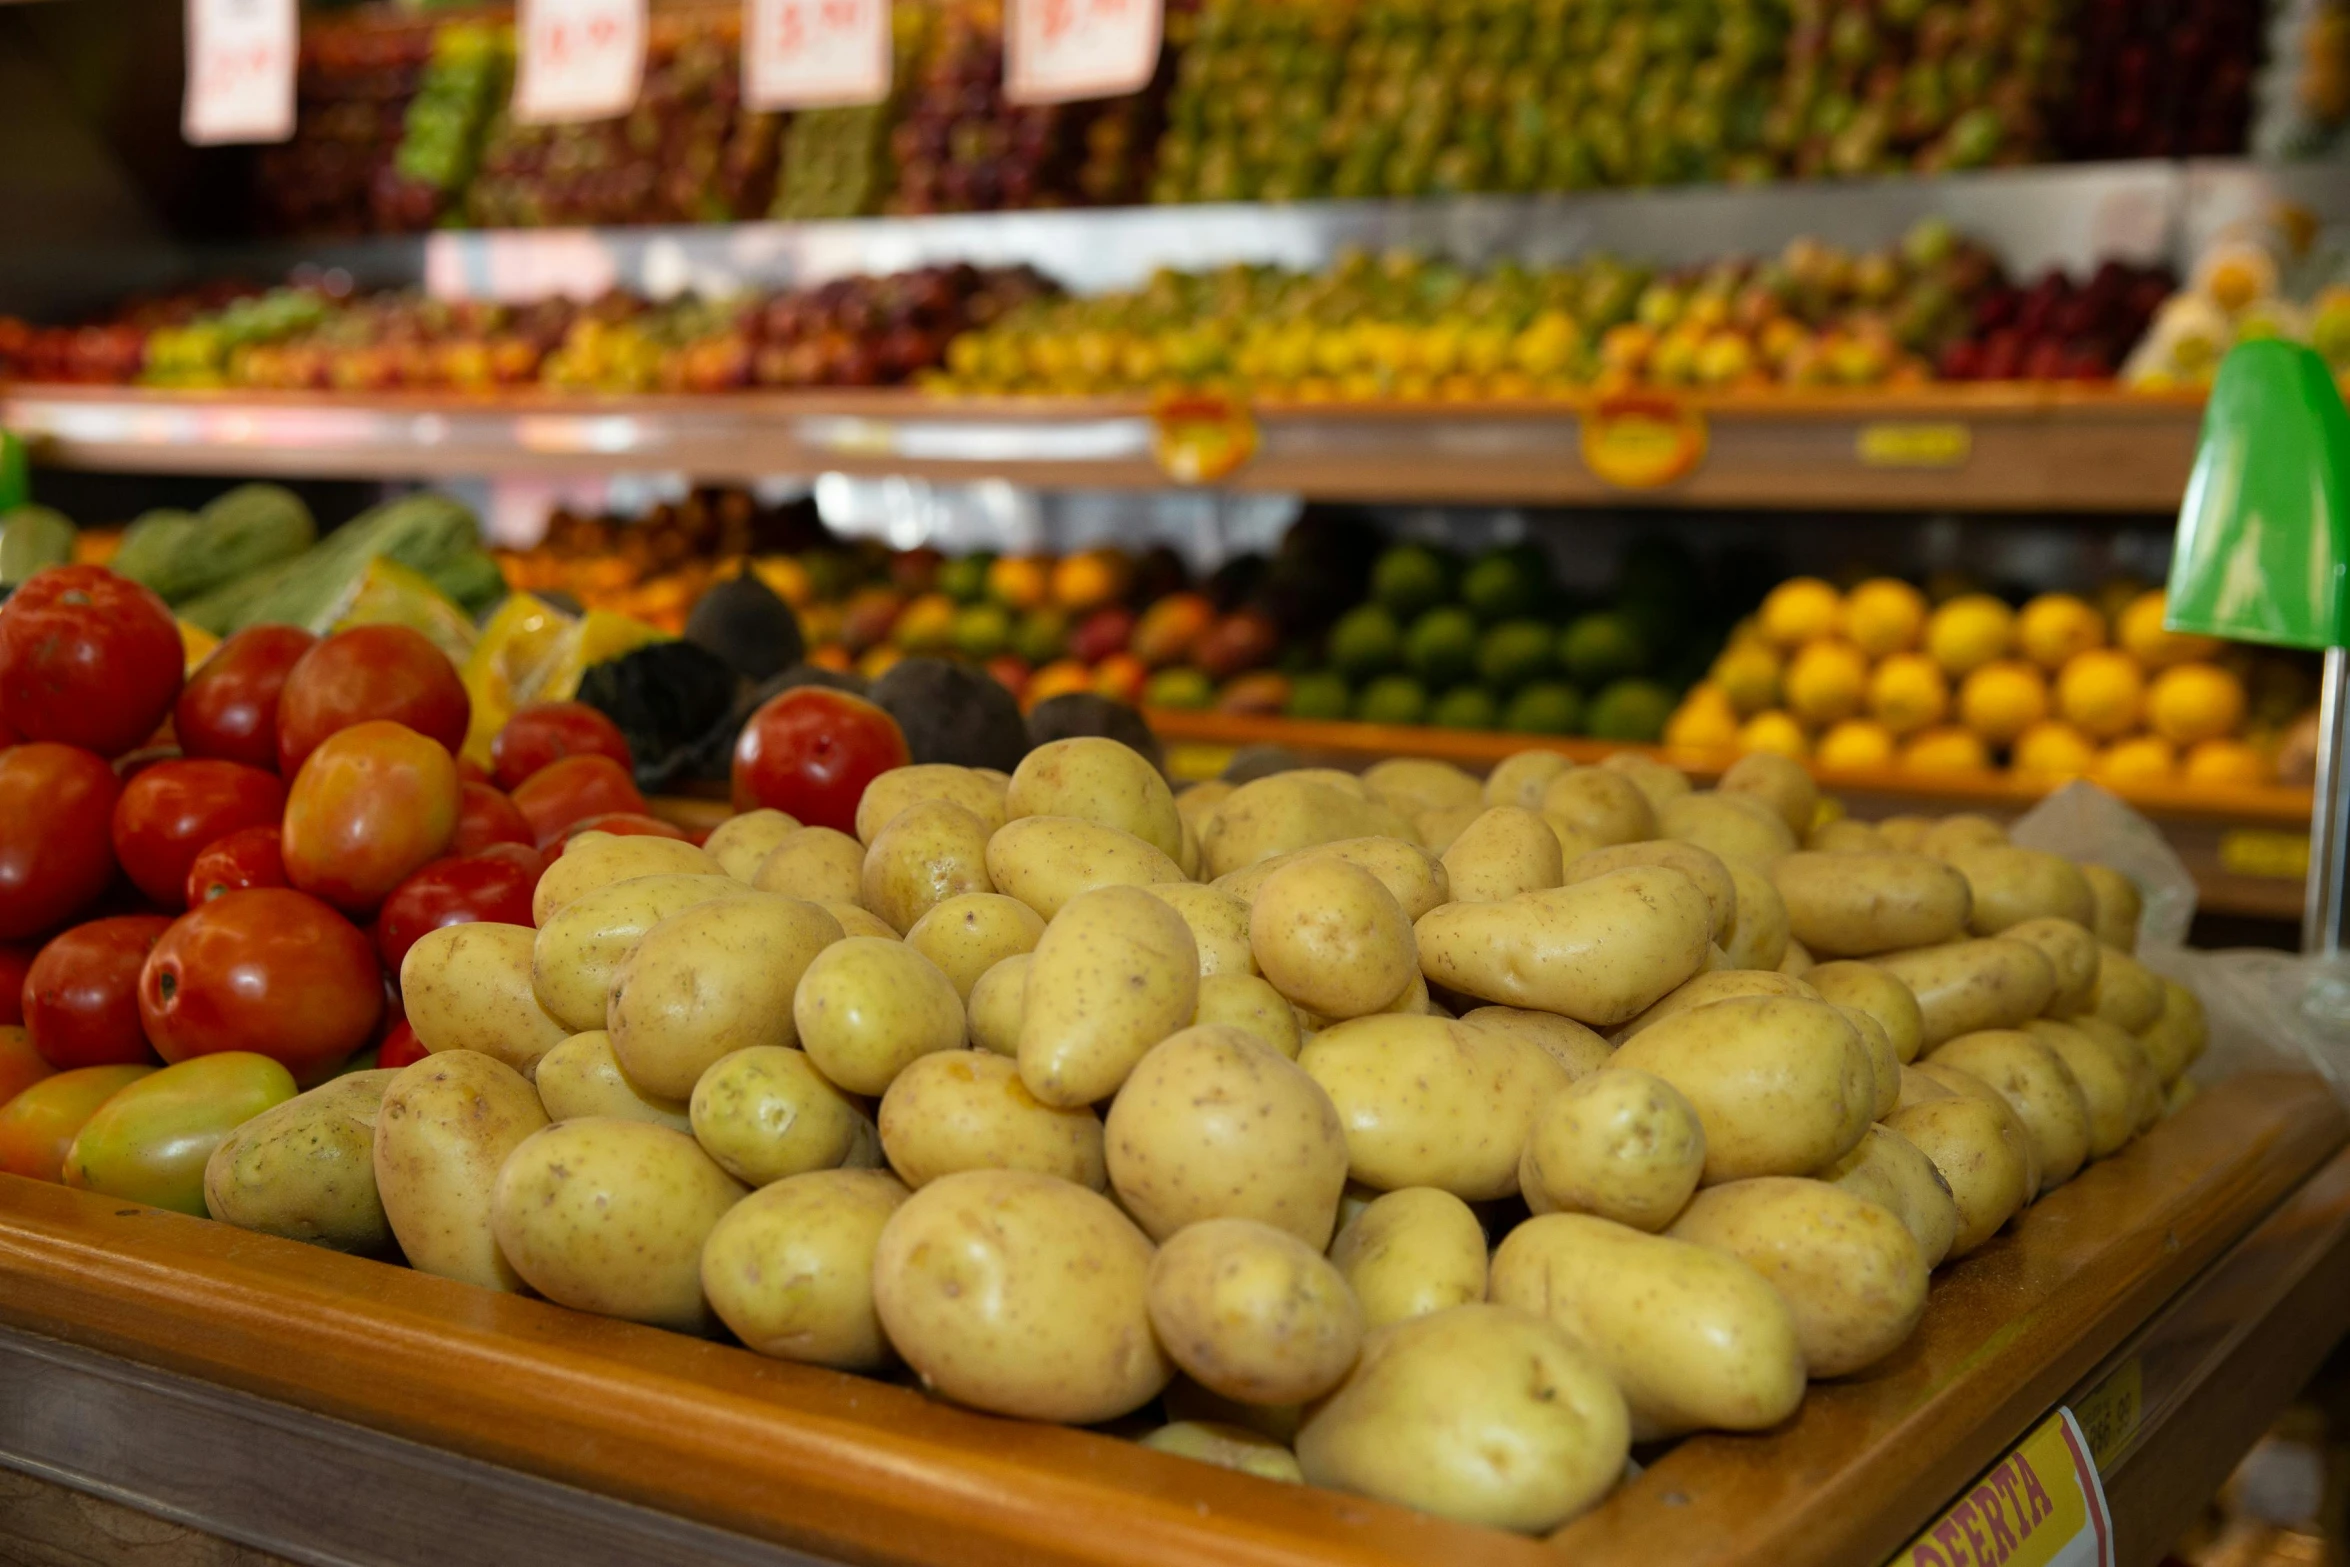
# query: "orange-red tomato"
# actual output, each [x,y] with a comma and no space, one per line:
[56,836]
[15,958]
[364,675]
[40,1124]
[81,999]
[172,811]
[401,1047]
[485,816]
[249,857]
[461,891]
[547,732]
[810,752]
[624,824]
[271,971]
[229,709]
[21,1066]
[574,789]
[88,658]
[373,804]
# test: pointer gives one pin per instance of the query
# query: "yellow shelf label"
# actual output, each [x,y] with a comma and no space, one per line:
[2264,851]
[2040,1506]
[1915,445]
[1643,441]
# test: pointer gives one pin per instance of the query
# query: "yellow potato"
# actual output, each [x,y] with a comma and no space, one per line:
[1227,1447]
[1701,866]
[609,1216]
[2038,1086]
[2178,1034]
[305,1168]
[790,1268]
[980,793]
[1601,951]
[1046,861]
[1187,1400]
[968,1110]
[1760,933]
[581,1077]
[2114,1085]
[1331,938]
[1520,778]
[1552,1432]
[469,987]
[1660,781]
[1097,780]
[1197,804]
[997,1001]
[1904,834]
[1213,1123]
[1289,811]
[1252,1312]
[1917,1088]
[2071,952]
[820,864]
[1845,836]
[1852,905]
[578,953]
[1412,784]
[1187,851]
[741,844]
[1439,829]
[1502,853]
[2118,906]
[1849,1270]
[1020,1295]
[765,1113]
[968,935]
[1410,1253]
[1573,841]
[1980,1152]
[1733,826]
[1696,1339]
[1968,1086]
[444,1127]
[1963,986]
[1246,1002]
[1864,987]
[1415,876]
[1718,985]
[866,1009]
[1882,1060]
[1618,1143]
[1116,973]
[1429,1102]
[1795,962]
[1779,782]
[2012,885]
[597,859]
[1564,1040]
[1894,1173]
[1606,806]
[857,920]
[706,980]
[2129,995]
[931,851]
[1966,830]
[1781,1085]
[1219,925]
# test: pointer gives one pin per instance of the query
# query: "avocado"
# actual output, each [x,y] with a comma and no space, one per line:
[744,622]
[953,713]
[673,701]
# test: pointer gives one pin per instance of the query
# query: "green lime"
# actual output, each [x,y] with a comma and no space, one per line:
[1392,699]
[964,578]
[1410,578]
[1547,707]
[1601,647]
[982,630]
[1180,687]
[1505,583]
[1441,647]
[1514,652]
[1322,694]
[1630,710]
[1366,641]
[1466,707]
[1041,636]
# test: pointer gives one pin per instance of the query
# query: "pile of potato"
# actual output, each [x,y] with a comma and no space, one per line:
[1422,1136]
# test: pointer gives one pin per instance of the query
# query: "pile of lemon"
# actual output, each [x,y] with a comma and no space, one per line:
[1878,678]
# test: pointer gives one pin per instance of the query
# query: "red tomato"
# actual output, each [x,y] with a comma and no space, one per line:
[452,892]
[81,999]
[21,1066]
[471,771]
[173,810]
[89,659]
[572,790]
[8,736]
[39,1124]
[365,674]
[400,1048]
[56,835]
[625,824]
[547,732]
[485,816]
[372,805]
[15,958]
[248,857]
[527,857]
[810,752]
[269,970]
[229,709]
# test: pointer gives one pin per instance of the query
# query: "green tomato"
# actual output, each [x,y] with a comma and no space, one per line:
[150,1141]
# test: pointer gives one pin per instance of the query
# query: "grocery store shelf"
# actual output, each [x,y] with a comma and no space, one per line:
[2033,448]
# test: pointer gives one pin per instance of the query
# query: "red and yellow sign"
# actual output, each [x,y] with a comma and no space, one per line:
[1642,440]
[2040,1506]
[1200,437]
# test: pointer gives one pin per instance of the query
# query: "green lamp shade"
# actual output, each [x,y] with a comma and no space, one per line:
[16,484]
[2263,549]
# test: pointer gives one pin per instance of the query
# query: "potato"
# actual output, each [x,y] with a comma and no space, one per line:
[1520,778]
[1759,935]
[2071,952]
[1966,830]
[1227,1447]
[1021,1295]
[857,920]
[444,1127]
[1045,861]
[579,952]
[983,795]
[1213,1123]
[716,977]
[1701,866]
[2146,1090]
[1852,905]
[1903,834]
[581,1077]
[1660,781]
[968,1110]
[1795,962]
[1246,1002]
[820,864]
[1618,1143]
[1187,851]
[1202,801]
[1219,925]
[1845,836]
[1778,782]
[1573,841]
[1096,780]
[2114,1085]
[1552,1434]
[1864,987]
[1253,1313]
[1733,826]
[597,859]
[1695,1338]
[765,1113]
[1428,1102]
[1849,1270]
[2118,906]
[2012,885]
[609,1216]
[1606,806]
[997,1002]
[1968,1086]
[2178,1034]
[305,1168]
[2038,1086]
[1287,811]
[968,935]
[1601,951]
[1116,973]
[1892,1172]
[1331,938]
[1415,876]
[1439,829]
[1412,784]
[741,844]
[1781,1085]
[1502,853]
[470,987]
[1564,1040]
[1410,1253]
[1963,986]
[1882,1060]
[1978,1150]
[1187,1400]
[790,1268]
[1719,985]
[929,852]
[866,1009]
[2128,994]
[1918,1088]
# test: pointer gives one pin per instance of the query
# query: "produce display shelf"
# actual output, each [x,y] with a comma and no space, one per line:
[2020,447]
[229,1381]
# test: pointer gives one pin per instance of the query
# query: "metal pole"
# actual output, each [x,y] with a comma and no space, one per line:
[2329,814]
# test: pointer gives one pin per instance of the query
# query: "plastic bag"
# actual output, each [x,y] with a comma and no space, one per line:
[2083,822]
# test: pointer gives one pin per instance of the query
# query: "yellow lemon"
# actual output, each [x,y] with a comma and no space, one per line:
[2227,762]
[1799,610]
[1969,632]
[1884,615]
[1774,731]
[2116,594]
[2002,699]
[1748,675]
[1945,751]
[2191,702]
[2140,631]
[1907,693]
[2099,693]
[1704,721]
[2052,749]
[1825,681]
[2055,626]
[2140,759]
[1856,742]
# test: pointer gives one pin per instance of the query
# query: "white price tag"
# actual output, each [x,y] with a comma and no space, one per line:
[812,54]
[241,56]
[578,59]
[1058,50]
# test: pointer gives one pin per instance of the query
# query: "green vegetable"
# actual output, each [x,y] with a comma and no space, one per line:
[427,533]
[184,555]
[156,548]
[32,537]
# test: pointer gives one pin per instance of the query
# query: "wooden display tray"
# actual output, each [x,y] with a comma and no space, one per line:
[850,1469]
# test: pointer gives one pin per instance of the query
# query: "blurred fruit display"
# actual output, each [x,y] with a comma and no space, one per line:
[2166,80]
[836,162]
[2247,284]
[468,76]
[2056,329]
[353,88]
